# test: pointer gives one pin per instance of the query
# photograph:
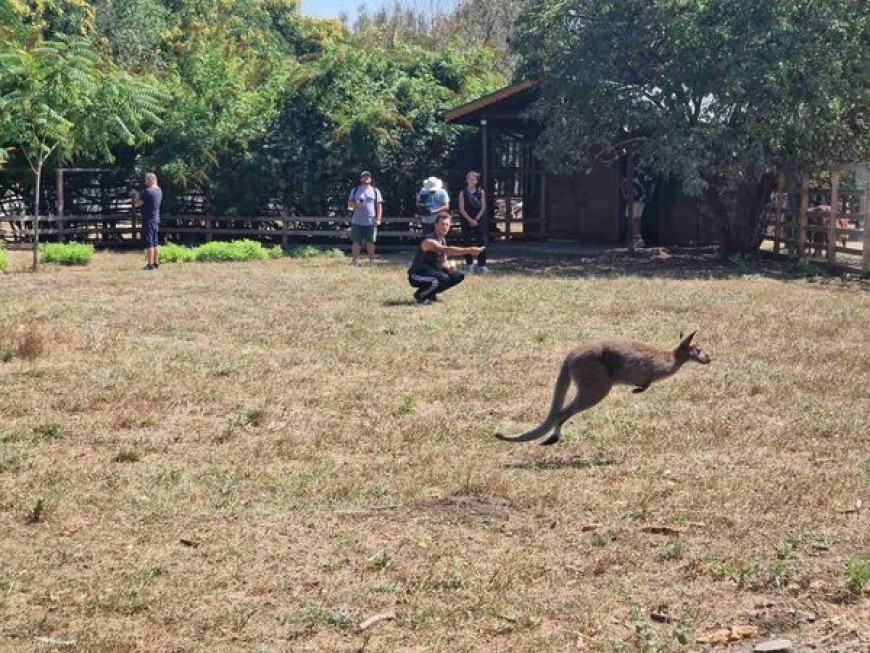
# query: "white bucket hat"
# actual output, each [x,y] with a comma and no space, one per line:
[432,183]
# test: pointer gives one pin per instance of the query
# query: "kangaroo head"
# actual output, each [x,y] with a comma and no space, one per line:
[686,351]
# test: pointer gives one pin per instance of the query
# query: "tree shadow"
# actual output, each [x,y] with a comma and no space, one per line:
[575,260]
[565,462]
[680,263]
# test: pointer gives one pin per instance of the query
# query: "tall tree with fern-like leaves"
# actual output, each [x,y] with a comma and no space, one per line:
[60,98]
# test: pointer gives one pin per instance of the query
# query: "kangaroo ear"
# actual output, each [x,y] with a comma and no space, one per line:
[687,340]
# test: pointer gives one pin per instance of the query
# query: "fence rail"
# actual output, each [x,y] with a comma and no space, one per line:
[822,232]
[122,229]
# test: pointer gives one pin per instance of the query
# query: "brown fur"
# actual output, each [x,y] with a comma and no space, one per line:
[597,366]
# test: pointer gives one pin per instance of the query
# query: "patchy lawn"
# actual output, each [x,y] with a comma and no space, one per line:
[261,456]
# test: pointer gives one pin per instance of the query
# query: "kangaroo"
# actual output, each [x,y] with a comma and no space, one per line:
[597,366]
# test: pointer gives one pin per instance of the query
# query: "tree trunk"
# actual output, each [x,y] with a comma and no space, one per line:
[36,217]
[737,206]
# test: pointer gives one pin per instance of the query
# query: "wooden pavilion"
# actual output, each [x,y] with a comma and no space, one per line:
[525,200]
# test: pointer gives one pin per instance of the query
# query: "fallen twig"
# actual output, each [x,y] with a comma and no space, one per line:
[371,621]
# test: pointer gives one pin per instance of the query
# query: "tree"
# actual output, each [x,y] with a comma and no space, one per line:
[61,98]
[378,108]
[718,94]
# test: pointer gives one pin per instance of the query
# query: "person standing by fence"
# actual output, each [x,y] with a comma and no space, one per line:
[367,205]
[432,201]
[475,230]
[149,202]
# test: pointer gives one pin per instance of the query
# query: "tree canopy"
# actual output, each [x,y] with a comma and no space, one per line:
[259,103]
[717,94]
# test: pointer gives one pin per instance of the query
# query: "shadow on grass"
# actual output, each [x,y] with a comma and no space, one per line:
[681,263]
[575,260]
[573,462]
[393,303]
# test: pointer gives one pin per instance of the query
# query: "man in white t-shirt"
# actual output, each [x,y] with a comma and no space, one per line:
[367,205]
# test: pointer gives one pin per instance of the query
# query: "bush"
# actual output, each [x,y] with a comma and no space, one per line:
[310,251]
[238,250]
[173,253]
[67,253]
[4,260]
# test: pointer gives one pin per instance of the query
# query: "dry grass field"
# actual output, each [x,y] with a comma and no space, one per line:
[261,456]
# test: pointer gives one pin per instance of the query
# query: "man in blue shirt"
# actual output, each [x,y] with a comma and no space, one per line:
[149,203]
[367,205]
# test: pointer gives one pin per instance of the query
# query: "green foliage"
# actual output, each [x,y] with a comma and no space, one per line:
[175,253]
[237,250]
[311,251]
[858,575]
[4,260]
[714,94]
[67,253]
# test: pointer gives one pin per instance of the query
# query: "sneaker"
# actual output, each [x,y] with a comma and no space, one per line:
[355,263]
[149,267]
[483,270]
[423,301]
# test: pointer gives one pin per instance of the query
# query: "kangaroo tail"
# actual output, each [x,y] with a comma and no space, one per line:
[562,385]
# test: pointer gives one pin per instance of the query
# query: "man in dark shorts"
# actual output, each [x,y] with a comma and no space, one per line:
[429,272]
[149,203]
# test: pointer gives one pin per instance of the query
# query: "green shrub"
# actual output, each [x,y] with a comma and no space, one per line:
[174,253]
[858,575]
[275,252]
[4,260]
[238,250]
[67,253]
[310,251]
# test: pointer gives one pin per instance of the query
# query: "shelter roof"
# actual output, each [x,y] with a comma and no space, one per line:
[507,106]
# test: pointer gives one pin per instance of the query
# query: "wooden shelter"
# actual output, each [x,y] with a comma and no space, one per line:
[528,201]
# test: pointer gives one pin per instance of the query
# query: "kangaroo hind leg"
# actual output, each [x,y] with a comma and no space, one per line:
[591,390]
[563,383]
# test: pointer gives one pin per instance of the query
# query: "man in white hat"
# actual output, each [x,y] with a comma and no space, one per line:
[432,201]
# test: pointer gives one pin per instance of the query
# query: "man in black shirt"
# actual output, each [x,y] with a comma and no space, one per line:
[429,272]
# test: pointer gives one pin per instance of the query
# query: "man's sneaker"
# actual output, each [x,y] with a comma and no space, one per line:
[483,270]
[355,263]
[149,267]
[422,301]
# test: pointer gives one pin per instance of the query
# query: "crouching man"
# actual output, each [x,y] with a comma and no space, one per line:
[429,272]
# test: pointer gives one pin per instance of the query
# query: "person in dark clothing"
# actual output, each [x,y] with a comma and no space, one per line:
[149,204]
[429,272]
[475,230]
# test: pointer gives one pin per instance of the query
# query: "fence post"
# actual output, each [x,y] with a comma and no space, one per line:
[780,212]
[208,228]
[832,219]
[804,216]
[865,225]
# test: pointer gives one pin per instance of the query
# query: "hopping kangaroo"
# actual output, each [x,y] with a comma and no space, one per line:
[597,366]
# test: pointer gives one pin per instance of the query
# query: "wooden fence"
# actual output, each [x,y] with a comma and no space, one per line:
[833,232]
[125,229]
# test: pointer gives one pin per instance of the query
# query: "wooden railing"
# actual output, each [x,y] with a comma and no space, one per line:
[821,233]
[126,228]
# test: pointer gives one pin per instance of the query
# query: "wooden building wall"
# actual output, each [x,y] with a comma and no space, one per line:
[585,206]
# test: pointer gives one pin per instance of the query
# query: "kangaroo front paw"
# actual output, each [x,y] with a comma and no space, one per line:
[640,388]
